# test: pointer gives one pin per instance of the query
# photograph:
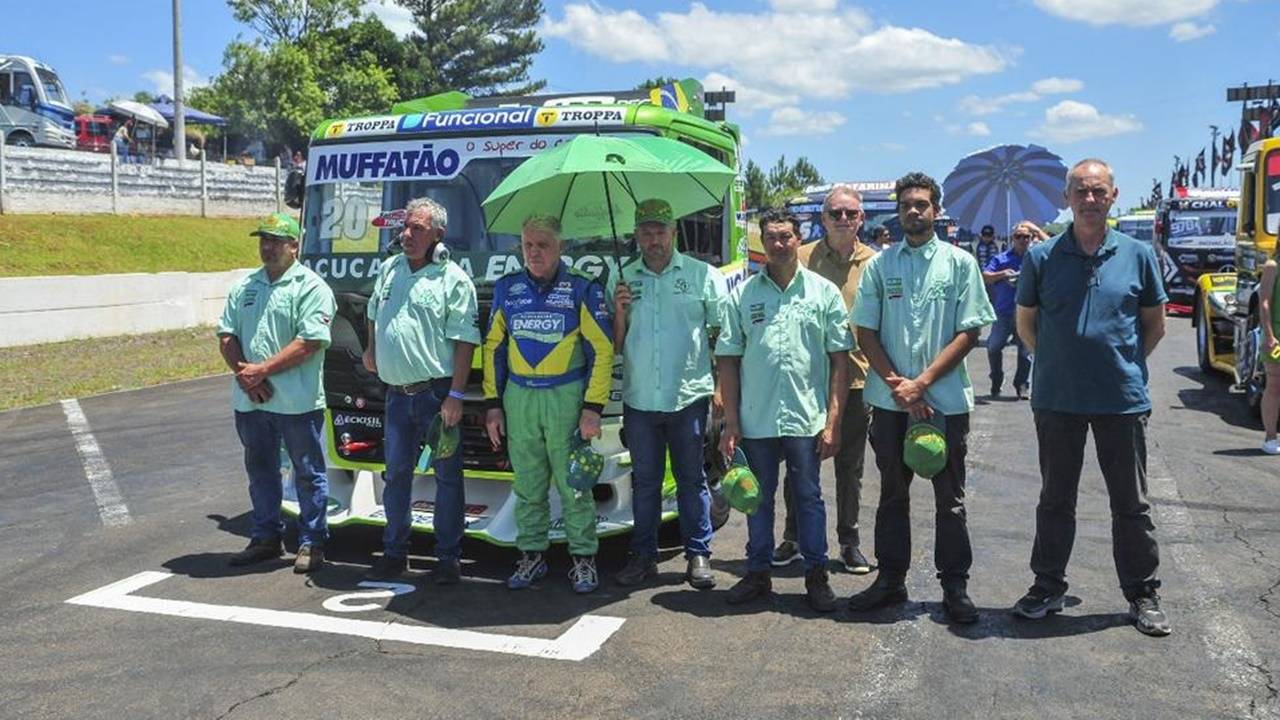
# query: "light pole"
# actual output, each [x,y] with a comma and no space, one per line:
[179,112]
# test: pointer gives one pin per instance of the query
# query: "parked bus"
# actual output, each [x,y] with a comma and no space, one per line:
[360,173]
[34,108]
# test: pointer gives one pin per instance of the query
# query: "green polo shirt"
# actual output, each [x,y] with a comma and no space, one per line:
[266,316]
[919,299]
[417,318]
[783,336]
[666,359]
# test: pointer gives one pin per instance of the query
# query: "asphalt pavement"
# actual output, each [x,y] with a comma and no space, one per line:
[160,627]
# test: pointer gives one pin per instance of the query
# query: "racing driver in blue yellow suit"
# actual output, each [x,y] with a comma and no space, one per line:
[548,362]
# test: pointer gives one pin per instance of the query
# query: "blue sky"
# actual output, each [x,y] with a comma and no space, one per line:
[866,90]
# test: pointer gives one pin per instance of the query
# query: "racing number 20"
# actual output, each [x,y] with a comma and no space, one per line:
[344,217]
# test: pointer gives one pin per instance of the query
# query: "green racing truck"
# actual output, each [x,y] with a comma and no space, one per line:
[359,175]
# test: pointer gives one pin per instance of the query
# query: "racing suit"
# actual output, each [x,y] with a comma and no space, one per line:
[547,355]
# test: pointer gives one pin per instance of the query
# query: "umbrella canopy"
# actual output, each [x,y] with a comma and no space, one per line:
[138,111]
[593,183]
[192,116]
[1004,185]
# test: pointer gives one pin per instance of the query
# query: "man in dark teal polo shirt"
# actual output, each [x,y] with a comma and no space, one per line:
[1091,308]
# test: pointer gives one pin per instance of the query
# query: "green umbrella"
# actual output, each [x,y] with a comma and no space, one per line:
[592,184]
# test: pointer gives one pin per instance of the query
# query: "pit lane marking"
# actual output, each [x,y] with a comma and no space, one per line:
[579,642]
[111,507]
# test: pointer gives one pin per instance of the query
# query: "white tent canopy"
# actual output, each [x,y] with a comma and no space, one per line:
[140,112]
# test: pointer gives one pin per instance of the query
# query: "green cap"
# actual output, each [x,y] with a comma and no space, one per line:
[278,225]
[442,442]
[925,449]
[739,485]
[585,465]
[658,211]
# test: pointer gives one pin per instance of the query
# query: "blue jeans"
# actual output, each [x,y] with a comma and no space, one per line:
[1002,330]
[649,437]
[407,420]
[801,455]
[260,433]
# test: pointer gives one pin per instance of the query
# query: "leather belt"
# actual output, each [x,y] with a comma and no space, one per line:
[415,388]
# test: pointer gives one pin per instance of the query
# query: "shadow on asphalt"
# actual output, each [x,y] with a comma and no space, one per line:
[1213,397]
[1240,452]
[1001,623]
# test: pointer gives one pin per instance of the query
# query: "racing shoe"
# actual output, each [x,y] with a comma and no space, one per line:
[583,574]
[310,558]
[530,568]
[637,570]
[1148,617]
[818,588]
[786,553]
[1038,602]
[257,551]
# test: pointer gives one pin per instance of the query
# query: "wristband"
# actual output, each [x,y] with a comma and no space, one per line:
[457,394]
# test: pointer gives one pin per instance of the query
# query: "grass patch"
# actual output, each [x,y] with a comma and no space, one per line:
[101,244]
[40,374]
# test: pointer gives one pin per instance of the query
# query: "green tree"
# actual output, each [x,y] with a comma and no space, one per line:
[292,20]
[475,46]
[783,181]
[659,81]
[144,97]
[757,189]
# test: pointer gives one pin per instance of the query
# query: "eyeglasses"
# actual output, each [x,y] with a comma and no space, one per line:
[838,213]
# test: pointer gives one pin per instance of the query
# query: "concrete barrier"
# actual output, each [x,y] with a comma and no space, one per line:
[46,180]
[37,310]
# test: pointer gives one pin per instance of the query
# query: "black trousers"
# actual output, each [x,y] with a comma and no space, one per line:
[1121,441]
[952,554]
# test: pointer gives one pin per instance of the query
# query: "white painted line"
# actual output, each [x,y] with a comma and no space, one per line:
[110,502]
[1225,637]
[579,642]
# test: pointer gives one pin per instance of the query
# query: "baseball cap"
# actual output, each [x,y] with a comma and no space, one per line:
[654,210]
[278,225]
[739,485]
[585,465]
[988,230]
[442,443]
[925,449]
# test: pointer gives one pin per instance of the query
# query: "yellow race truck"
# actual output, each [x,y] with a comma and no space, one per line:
[1226,311]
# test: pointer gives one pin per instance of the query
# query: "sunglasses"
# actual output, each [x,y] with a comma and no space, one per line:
[1021,236]
[838,213]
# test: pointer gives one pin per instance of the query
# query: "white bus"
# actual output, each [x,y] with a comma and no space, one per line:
[34,107]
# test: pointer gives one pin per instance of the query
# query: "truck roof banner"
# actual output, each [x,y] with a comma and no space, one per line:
[521,117]
[440,159]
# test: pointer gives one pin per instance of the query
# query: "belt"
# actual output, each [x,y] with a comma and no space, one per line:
[415,388]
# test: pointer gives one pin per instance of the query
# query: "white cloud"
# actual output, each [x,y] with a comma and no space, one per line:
[1127,12]
[162,80]
[975,105]
[748,99]
[1071,121]
[1188,31]
[794,121]
[887,58]
[118,59]
[1056,86]
[396,17]
[977,129]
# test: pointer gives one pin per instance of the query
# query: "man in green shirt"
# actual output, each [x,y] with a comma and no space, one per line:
[783,365]
[920,307]
[423,331]
[666,310]
[272,329]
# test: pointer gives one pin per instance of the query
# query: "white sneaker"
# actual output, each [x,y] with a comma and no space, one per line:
[1271,447]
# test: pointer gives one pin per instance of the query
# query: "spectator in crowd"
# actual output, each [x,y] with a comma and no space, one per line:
[1001,276]
[1269,308]
[1091,307]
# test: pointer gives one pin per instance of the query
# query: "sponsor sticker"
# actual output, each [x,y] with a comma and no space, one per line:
[893,288]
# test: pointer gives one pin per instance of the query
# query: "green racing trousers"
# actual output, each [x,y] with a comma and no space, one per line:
[540,424]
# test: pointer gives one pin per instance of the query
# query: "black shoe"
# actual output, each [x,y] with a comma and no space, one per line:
[1021,390]
[257,551]
[786,553]
[447,572]
[637,570]
[1038,602]
[698,574]
[818,588]
[756,584]
[958,605]
[883,592]
[388,567]
[310,558]
[854,561]
[1148,617]
[995,391]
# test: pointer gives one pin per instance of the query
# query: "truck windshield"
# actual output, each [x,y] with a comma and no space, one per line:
[1272,190]
[1201,224]
[1136,229]
[52,87]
